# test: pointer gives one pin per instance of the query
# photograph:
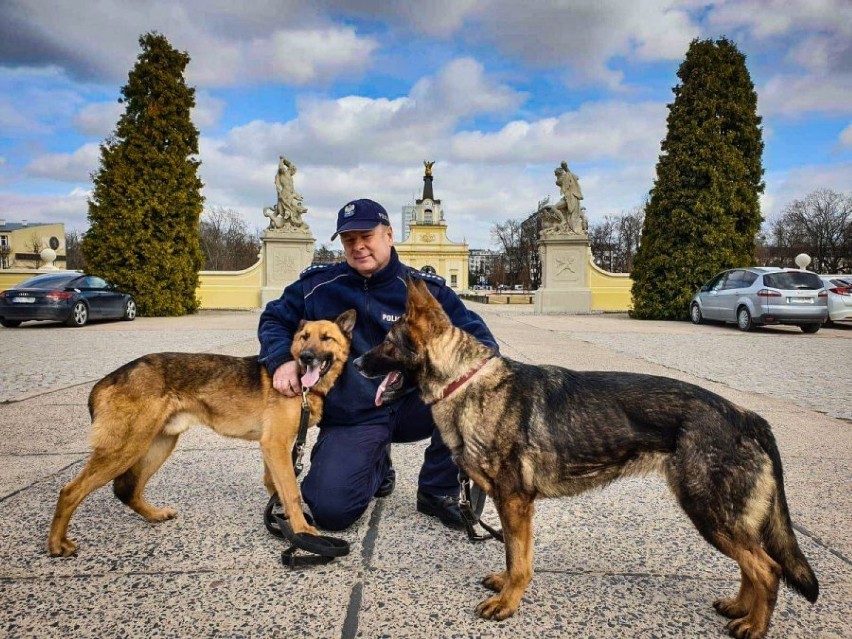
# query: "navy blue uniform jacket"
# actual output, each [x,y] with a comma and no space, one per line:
[324,292]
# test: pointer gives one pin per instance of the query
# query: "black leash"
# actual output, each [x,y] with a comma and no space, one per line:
[323,548]
[470,503]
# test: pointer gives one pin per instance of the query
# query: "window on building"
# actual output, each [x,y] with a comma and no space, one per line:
[454,280]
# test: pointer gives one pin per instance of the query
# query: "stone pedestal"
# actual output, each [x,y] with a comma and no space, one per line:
[565,275]
[285,255]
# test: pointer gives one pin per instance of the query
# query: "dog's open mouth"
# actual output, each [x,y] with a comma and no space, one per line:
[314,371]
[387,389]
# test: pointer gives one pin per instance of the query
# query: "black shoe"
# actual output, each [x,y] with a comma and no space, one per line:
[388,484]
[444,507]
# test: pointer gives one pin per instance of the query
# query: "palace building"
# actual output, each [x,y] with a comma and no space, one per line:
[426,246]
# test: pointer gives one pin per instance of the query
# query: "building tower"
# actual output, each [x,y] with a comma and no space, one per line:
[427,247]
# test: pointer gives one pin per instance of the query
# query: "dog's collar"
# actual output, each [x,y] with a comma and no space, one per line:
[461,380]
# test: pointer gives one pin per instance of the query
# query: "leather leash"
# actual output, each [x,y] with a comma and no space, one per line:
[323,549]
[469,516]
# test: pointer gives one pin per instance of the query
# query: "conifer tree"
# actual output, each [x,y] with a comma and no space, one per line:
[145,209]
[703,214]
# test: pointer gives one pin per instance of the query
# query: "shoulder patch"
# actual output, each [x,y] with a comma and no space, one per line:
[314,269]
[430,278]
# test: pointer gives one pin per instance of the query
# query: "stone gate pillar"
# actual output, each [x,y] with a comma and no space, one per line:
[285,255]
[565,275]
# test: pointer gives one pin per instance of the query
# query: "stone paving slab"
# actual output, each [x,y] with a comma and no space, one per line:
[623,561]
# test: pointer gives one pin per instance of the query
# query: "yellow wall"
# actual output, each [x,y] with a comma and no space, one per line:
[241,289]
[21,241]
[610,291]
[231,289]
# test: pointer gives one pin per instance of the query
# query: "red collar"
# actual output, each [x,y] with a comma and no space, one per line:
[461,380]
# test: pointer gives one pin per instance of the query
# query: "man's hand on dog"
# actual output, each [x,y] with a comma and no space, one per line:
[286,379]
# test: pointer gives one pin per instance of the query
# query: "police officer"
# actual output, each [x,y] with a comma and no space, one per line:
[350,462]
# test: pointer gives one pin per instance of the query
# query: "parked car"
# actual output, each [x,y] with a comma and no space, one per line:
[839,288]
[756,296]
[67,296]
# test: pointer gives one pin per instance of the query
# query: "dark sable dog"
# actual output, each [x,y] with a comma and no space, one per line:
[139,411]
[522,432]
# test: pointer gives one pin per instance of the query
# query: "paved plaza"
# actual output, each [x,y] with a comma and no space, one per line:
[621,562]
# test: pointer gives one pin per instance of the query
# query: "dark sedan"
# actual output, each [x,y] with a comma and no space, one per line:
[70,297]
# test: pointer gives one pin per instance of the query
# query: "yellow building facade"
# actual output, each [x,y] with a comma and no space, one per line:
[427,246]
[21,243]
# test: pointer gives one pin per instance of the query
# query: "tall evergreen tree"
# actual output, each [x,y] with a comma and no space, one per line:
[146,205]
[703,214]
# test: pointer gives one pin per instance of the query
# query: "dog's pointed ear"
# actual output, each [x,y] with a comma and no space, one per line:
[346,321]
[414,294]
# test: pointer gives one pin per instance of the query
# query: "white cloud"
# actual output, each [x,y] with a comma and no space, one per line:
[791,95]
[207,110]
[846,137]
[771,18]
[614,130]
[782,187]
[71,209]
[229,44]
[353,130]
[98,119]
[67,167]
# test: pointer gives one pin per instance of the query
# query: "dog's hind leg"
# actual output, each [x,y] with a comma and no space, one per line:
[129,487]
[739,606]
[516,513]
[764,576]
[101,467]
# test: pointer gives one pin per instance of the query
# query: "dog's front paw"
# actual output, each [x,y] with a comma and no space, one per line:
[496,607]
[495,581]
[65,548]
[156,515]
[745,629]
[730,608]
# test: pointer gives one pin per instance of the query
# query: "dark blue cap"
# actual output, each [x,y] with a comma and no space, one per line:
[360,215]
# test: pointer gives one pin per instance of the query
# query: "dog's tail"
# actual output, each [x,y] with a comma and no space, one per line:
[778,536]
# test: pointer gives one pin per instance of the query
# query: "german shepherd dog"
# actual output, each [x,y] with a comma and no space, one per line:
[140,410]
[522,432]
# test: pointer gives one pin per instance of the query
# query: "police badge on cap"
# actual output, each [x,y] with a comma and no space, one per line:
[360,215]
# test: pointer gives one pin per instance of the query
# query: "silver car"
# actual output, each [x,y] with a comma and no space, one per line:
[760,295]
[839,289]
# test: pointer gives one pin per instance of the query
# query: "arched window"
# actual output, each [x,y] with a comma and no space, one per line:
[428,269]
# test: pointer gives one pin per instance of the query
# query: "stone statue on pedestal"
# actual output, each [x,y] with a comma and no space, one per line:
[566,217]
[286,215]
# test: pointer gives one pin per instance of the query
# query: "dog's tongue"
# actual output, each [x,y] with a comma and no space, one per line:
[390,378]
[311,376]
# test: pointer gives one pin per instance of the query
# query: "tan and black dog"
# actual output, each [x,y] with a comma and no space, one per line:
[522,432]
[140,410]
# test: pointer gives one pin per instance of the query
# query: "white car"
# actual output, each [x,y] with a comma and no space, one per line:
[839,288]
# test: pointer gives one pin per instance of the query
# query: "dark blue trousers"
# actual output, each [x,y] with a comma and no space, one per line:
[348,463]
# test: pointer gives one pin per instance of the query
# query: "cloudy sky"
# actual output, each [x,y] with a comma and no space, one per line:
[358,93]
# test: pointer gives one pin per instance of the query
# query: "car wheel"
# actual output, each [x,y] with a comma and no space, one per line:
[79,315]
[744,319]
[10,323]
[695,314]
[129,311]
[809,328]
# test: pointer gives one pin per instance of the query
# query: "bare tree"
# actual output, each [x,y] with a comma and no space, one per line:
[325,255]
[226,241]
[614,241]
[819,225]
[34,244]
[508,237]
[73,255]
